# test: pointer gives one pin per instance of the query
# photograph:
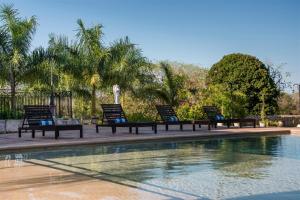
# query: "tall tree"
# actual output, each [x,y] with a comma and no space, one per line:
[15,39]
[126,66]
[248,75]
[49,65]
[92,54]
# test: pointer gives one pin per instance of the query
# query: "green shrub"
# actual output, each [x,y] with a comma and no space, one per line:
[196,112]
[139,117]
[190,112]
[273,123]
[183,112]
[8,114]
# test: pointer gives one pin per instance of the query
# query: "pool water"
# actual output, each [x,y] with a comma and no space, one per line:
[266,167]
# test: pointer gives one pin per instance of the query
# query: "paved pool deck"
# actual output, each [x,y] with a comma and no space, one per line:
[37,179]
[11,141]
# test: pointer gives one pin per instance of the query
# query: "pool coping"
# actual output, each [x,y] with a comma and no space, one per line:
[145,138]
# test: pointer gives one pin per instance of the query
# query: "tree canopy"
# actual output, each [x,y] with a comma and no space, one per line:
[248,75]
[15,39]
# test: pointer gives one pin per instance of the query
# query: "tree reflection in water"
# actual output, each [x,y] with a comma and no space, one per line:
[245,157]
[242,157]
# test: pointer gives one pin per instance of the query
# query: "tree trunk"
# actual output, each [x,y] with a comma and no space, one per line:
[123,99]
[93,109]
[13,99]
[12,92]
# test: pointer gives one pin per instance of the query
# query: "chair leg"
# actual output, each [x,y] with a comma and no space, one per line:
[113,129]
[81,132]
[19,130]
[56,134]
[33,133]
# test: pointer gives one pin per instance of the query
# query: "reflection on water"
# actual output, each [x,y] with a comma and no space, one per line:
[211,169]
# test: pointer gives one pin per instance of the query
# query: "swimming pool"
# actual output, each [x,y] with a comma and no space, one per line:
[266,167]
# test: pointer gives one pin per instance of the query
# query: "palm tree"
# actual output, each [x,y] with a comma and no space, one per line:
[55,60]
[121,63]
[15,39]
[92,54]
[167,89]
[126,66]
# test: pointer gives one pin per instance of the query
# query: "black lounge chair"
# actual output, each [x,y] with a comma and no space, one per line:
[39,118]
[215,116]
[114,116]
[168,117]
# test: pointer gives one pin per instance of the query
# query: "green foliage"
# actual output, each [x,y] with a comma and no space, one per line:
[166,87]
[126,58]
[193,83]
[82,108]
[196,111]
[9,114]
[139,109]
[15,40]
[183,112]
[273,123]
[238,84]
[139,117]
[249,76]
[288,104]
[190,112]
[231,104]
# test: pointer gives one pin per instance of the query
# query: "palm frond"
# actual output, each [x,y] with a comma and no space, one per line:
[90,39]
[154,91]
[20,31]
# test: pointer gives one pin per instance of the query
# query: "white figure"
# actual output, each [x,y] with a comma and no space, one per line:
[116,90]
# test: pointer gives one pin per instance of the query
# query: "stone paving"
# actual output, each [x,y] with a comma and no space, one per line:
[11,141]
[31,181]
[36,180]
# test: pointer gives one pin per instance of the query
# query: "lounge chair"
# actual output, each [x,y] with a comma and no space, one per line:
[39,117]
[215,116]
[168,117]
[114,116]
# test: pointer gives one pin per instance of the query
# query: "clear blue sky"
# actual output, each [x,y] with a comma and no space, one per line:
[190,31]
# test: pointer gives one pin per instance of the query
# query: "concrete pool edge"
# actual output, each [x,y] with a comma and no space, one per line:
[145,138]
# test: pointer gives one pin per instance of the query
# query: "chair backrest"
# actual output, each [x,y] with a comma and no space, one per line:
[211,111]
[34,114]
[111,112]
[166,112]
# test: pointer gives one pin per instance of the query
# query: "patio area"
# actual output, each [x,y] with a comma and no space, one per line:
[12,142]
[45,179]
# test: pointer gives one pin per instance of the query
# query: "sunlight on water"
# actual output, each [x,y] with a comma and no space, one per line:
[240,168]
